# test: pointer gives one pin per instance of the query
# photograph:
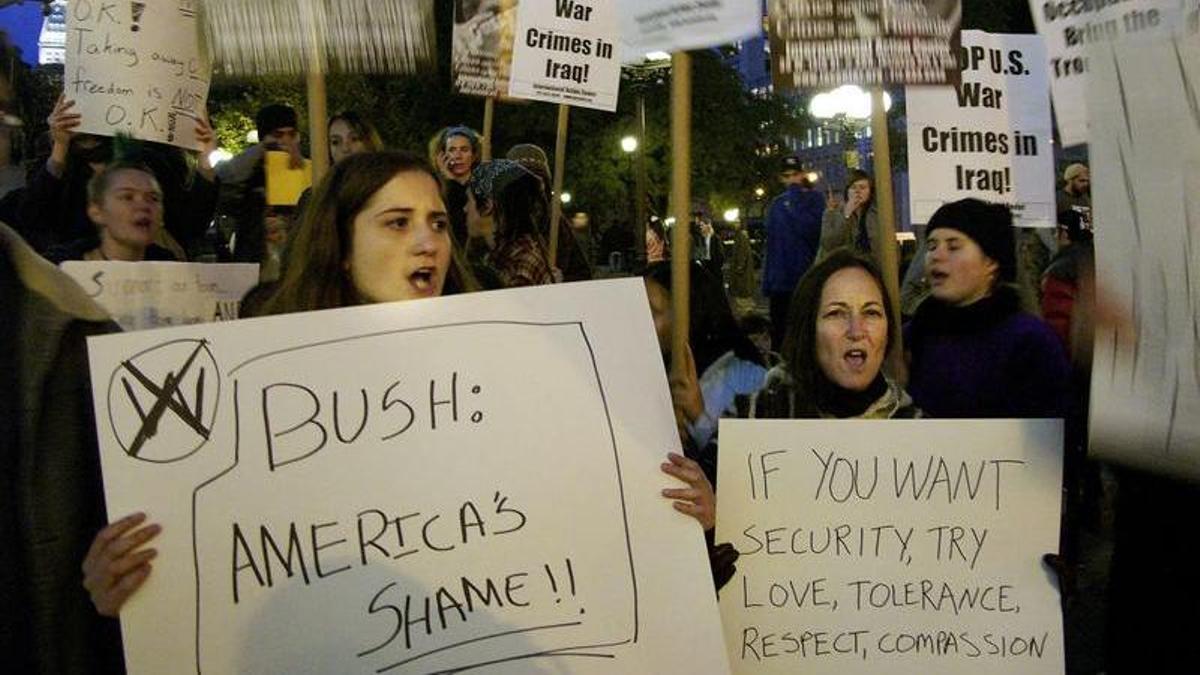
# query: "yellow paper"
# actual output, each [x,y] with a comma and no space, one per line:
[284,184]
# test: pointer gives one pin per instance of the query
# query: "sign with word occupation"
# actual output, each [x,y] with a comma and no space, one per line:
[141,295]
[136,68]
[671,25]
[891,546]
[481,56]
[826,43]
[565,51]
[989,137]
[1069,26]
[1145,156]
[417,487]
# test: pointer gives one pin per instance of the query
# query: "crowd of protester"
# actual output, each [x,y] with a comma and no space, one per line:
[387,226]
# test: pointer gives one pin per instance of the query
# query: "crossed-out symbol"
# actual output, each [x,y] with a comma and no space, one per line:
[167,396]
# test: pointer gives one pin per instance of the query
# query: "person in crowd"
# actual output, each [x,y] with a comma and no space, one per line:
[53,209]
[707,247]
[571,260]
[1076,192]
[1060,282]
[742,281]
[723,363]
[243,178]
[350,134]
[972,351]
[459,151]
[581,228]
[51,495]
[377,231]
[506,214]
[793,236]
[125,205]
[12,174]
[841,332]
[851,225]
[658,244]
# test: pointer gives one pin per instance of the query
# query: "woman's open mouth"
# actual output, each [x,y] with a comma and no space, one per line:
[424,280]
[855,358]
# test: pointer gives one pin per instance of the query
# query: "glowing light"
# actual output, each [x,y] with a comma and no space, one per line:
[847,100]
[629,143]
[731,215]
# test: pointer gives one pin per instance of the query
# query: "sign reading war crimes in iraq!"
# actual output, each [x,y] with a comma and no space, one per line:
[565,51]
[1145,155]
[417,487]
[1070,26]
[483,39]
[826,43]
[891,546]
[990,136]
[136,68]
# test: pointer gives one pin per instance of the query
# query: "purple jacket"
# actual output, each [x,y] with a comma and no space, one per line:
[988,359]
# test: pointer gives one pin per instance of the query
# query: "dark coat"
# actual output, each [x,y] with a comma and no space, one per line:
[793,236]
[52,496]
[988,359]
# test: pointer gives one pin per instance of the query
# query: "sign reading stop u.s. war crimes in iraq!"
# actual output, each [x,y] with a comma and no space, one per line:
[136,68]
[988,137]
[908,547]
[465,483]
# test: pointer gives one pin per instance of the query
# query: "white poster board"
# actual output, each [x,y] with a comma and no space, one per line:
[481,54]
[137,68]
[140,295]
[988,138]
[891,546]
[1070,27]
[566,51]
[1146,200]
[672,25]
[423,486]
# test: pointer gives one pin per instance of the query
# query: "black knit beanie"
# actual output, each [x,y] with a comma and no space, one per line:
[274,116]
[988,225]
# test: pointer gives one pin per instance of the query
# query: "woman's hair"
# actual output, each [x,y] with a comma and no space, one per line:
[712,329]
[99,184]
[467,133]
[854,176]
[314,274]
[799,345]
[517,199]
[366,132]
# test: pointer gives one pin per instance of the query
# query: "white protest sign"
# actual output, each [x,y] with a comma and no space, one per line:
[677,25]
[565,51]
[425,486]
[1145,156]
[139,295]
[988,138]
[1069,26]
[481,55]
[891,546]
[136,68]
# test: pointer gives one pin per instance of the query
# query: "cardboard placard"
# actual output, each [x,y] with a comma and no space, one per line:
[565,51]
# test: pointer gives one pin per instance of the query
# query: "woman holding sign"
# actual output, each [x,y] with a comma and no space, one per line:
[376,231]
[973,352]
[840,333]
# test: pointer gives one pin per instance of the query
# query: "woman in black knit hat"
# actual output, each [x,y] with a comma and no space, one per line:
[972,351]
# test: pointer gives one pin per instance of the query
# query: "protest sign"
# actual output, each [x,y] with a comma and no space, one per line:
[891,546]
[481,57]
[136,68]
[826,43]
[1145,153]
[565,51]
[672,25]
[139,295]
[426,486]
[1070,26]
[989,137]
[284,184]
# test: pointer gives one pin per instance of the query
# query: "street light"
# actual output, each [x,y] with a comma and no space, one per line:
[759,192]
[565,197]
[731,215]
[629,144]
[219,155]
[851,107]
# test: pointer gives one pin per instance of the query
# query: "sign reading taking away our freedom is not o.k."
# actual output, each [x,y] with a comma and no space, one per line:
[471,482]
[137,69]
[911,547]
